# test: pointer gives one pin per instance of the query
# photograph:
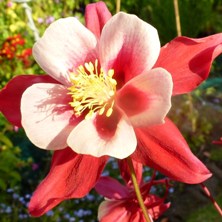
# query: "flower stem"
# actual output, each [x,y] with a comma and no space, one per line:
[118,3]
[137,190]
[28,12]
[179,33]
[207,192]
[177,17]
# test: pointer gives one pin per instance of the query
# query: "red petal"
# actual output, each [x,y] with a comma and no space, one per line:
[189,60]
[106,127]
[96,16]
[125,172]
[156,206]
[10,95]
[164,148]
[111,188]
[71,176]
[132,100]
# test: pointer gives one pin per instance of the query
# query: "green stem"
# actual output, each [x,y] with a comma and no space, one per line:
[191,109]
[179,33]
[137,190]
[118,4]
[177,17]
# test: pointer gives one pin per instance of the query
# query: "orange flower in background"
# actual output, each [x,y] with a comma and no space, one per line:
[7,52]
[25,57]
[15,40]
[9,46]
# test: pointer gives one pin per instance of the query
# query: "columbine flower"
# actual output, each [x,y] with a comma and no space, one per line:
[105,87]
[131,52]
[121,203]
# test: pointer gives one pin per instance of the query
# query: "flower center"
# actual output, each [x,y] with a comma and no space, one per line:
[92,90]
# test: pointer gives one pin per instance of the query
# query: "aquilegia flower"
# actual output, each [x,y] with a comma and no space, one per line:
[121,203]
[95,105]
[108,84]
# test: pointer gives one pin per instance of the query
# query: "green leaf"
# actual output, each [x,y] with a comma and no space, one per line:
[5,140]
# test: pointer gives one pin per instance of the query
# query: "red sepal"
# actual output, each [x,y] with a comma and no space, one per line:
[11,94]
[189,60]
[163,148]
[96,16]
[71,176]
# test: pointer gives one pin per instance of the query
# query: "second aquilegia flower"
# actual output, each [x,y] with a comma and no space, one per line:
[104,87]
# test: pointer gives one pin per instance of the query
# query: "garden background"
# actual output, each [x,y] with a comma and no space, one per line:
[198,115]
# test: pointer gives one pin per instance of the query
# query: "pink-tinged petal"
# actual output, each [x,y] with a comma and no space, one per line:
[128,49]
[10,95]
[71,176]
[111,210]
[156,206]
[146,99]
[189,60]
[65,45]
[96,16]
[47,116]
[88,138]
[164,148]
[158,210]
[125,172]
[139,217]
[111,188]
[120,211]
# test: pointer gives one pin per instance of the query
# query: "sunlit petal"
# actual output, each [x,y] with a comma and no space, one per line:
[146,99]
[128,45]
[193,60]
[10,95]
[86,139]
[46,115]
[65,45]
[96,16]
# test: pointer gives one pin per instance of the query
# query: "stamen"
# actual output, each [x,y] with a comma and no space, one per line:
[92,90]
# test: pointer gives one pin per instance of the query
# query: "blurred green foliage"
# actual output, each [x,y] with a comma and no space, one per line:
[10,160]
[206,213]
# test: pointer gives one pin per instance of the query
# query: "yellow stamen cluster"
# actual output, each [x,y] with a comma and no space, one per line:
[92,91]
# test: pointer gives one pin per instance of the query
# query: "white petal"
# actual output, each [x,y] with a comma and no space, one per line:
[46,115]
[65,45]
[148,97]
[84,139]
[128,45]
